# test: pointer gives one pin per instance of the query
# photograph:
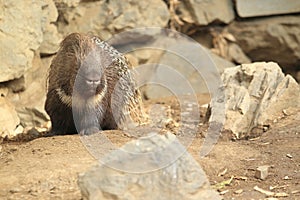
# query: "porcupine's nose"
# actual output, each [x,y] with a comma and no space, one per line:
[93,83]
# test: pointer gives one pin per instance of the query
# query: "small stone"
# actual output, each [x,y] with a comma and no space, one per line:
[239,191]
[289,155]
[19,129]
[15,190]
[261,172]
[285,112]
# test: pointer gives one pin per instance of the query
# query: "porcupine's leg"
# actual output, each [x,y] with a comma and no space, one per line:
[61,116]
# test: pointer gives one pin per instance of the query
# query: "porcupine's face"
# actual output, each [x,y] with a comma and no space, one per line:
[91,79]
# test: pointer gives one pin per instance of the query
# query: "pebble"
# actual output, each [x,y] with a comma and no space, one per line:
[289,155]
[261,172]
[239,191]
[15,190]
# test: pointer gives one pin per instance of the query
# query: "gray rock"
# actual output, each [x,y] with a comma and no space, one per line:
[257,94]
[254,8]
[181,178]
[106,18]
[181,71]
[270,39]
[8,118]
[203,12]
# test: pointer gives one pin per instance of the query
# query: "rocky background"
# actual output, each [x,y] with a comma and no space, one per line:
[235,32]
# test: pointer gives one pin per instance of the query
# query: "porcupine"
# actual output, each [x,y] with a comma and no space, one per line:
[90,84]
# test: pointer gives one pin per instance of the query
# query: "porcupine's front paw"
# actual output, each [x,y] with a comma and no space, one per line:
[89,130]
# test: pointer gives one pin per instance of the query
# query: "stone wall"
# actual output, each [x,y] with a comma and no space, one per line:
[238,31]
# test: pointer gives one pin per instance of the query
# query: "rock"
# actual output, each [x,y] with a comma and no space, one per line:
[205,12]
[236,54]
[3,91]
[270,39]
[182,67]
[106,18]
[9,119]
[21,33]
[51,40]
[261,172]
[224,45]
[256,94]
[30,20]
[16,85]
[181,179]
[298,76]
[25,26]
[67,3]
[256,8]
[51,37]
[30,103]
[240,191]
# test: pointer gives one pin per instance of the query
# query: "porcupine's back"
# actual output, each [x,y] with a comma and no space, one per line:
[126,98]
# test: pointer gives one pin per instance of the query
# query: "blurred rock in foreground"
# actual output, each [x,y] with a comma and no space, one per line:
[164,176]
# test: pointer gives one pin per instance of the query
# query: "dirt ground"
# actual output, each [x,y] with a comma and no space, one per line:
[47,167]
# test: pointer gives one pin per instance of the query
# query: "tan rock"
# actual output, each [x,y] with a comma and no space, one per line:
[51,37]
[68,3]
[3,91]
[206,12]
[30,103]
[270,39]
[21,33]
[9,119]
[22,25]
[106,18]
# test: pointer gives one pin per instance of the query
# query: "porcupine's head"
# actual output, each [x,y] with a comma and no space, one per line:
[91,79]
[88,62]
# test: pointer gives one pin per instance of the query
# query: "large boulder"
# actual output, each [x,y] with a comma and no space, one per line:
[22,26]
[106,18]
[51,37]
[21,33]
[206,12]
[270,39]
[180,70]
[148,169]
[256,95]
[29,103]
[254,8]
